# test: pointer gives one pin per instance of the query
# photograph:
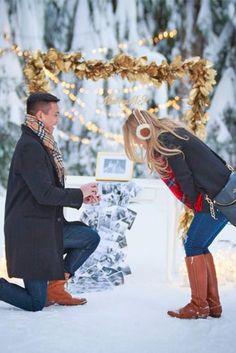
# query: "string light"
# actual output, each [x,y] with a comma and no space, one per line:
[142,41]
[89,125]
[25,53]
[170,103]
[16,50]
[117,138]
[92,127]
[2,51]
[110,98]
[85,141]
[104,50]
[164,35]
[73,138]
[99,91]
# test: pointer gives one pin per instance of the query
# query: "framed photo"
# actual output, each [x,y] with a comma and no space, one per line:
[113,166]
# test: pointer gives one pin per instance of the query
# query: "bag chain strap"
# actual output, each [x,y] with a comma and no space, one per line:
[212,208]
[230,167]
[210,202]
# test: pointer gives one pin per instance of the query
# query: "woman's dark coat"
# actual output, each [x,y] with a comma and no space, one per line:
[34,212]
[198,169]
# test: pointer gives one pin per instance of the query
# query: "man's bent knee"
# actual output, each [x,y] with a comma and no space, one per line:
[96,238]
[38,305]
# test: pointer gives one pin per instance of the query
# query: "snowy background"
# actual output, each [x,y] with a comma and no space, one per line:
[132,316]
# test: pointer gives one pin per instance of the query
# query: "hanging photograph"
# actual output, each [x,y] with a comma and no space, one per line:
[113,166]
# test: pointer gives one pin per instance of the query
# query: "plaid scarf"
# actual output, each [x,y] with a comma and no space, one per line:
[48,141]
[175,188]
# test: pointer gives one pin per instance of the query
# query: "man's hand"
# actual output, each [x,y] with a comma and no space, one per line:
[92,199]
[89,189]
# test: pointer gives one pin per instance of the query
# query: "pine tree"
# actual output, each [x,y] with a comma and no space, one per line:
[230,121]
[9,133]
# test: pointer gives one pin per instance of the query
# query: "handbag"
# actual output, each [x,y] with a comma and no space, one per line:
[225,200]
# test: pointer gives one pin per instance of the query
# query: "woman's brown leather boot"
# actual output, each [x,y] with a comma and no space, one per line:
[197,274]
[57,293]
[212,288]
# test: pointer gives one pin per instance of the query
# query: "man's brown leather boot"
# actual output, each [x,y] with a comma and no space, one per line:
[57,293]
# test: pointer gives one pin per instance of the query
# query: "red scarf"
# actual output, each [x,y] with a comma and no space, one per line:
[175,188]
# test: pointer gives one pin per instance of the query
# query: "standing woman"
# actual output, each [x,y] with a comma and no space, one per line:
[192,171]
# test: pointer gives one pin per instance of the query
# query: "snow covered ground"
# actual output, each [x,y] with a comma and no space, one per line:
[129,318]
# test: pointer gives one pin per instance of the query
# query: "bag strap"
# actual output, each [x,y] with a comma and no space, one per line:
[211,205]
[230,167]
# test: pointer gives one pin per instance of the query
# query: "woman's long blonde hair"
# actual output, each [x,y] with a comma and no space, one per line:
[156,152]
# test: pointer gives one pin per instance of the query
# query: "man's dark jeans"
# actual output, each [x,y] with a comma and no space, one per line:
[79,243]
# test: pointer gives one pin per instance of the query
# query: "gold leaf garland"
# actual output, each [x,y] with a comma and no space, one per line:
[199,71]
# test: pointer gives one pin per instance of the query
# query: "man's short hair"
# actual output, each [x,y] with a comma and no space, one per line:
[40,101]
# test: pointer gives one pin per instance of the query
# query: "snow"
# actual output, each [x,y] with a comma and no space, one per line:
[131,317]
[189,39]
[224,98]
[82,28]
[217,44]
[28,20]
[204,20]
